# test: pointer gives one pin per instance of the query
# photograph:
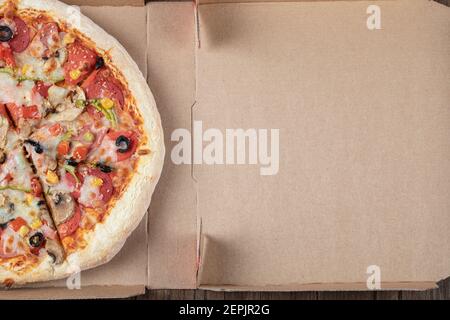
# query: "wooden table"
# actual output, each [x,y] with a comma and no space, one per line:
[442,293]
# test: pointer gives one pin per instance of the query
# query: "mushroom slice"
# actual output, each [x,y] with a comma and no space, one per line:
[4,127]
[70,108]
[6,209]
[66,111]
[55,250]
[62,207]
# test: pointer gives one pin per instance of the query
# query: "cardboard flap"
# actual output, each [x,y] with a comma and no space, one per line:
[171,76]
[364,155]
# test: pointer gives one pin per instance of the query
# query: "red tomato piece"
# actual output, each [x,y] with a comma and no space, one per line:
[80,153]
[30,112]
[132,137]
[55,130]
[80,63]
[102,84]
[22,36]
[17,223]
[26,112]
[71,225]
[7,56]
[63,148]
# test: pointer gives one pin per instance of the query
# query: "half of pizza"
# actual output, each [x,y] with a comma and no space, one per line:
[81,109]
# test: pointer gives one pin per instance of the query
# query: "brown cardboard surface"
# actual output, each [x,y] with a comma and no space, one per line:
[364,150]
[171,76]
[126,274]
[87,292]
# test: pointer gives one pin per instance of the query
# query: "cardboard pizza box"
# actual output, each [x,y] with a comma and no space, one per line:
[342,183]
[338,179]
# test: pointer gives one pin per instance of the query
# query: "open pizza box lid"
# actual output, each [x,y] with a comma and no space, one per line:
[345,178]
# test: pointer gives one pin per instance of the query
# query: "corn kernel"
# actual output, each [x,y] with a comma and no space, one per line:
[29,199]
[23,231]
[107,103]
[68,39]
[26,68]
[36,224]
[75,74]
[52,177]
[97,182]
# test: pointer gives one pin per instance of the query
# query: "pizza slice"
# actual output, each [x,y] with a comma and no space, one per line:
[39,67]
[29,244]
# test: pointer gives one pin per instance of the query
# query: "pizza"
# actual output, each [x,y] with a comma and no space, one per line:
[81,143]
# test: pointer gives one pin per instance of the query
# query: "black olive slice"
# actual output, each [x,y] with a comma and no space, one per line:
[36,240]
[37,146]
[6,33]
[72,163]
[2,157]
[99,63]
[104,168]
[123,144]
[58,198]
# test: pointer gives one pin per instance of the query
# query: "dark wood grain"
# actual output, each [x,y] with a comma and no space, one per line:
[441,293]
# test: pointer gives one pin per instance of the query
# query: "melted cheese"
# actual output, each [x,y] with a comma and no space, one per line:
[49,71]
[107,152]
[89,193]
[21,94]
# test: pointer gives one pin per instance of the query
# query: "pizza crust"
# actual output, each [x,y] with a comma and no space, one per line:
[108,237]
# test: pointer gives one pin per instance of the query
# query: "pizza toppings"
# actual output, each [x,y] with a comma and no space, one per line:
[6,58]
[36,145]
[6,33]
[37,240]
[104,168]
[22,35]
[80,63]
[126,143]
[99,63]
[63,207]
[71,225]
[102,84]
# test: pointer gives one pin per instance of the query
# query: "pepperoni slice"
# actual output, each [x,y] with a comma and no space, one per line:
[133,143]
[49,34]
[102,84]
[71,225]
[80,63]
[22,37]
[107,187]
